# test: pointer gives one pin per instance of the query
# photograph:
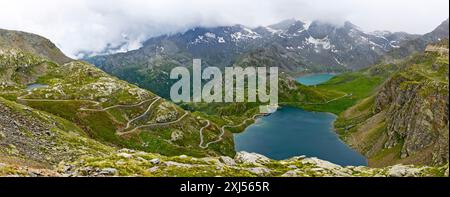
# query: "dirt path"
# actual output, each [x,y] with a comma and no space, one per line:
[222,129]
[142,115]
[152,125]
[329,101]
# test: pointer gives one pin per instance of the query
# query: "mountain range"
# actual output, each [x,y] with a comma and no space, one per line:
[295,47]
[64,117]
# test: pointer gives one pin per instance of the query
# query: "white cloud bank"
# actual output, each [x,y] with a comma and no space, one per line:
[83,25]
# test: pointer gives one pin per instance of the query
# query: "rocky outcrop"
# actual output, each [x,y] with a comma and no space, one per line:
[417,121]
[32,43]
[405,121]
[244,164]
[416,102]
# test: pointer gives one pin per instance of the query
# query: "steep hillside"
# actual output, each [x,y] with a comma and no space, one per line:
[406,121]
[36,138]
[105,108]
[33,44]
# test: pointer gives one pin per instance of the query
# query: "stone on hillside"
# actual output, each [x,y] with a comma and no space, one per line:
[108,171]
[403,171]
[166,113]
[153,169]
[125,150]
[250,158]
[209,160]
[228,161]
[259,170]
[125,155]
[176,135]
[321,163]
[297,158]
[292,173]
[155,161]
[176,164]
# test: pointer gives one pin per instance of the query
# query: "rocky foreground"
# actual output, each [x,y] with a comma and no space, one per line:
[127,162]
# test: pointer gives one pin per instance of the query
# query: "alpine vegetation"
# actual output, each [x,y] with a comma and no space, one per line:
[235,87]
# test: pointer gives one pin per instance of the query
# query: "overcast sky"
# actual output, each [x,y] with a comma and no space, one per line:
[77,25]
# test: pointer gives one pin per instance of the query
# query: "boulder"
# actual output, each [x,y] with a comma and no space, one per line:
[108,171]
[155,161]
[227,161]
[321,163]
[403,171]
[250,158]
[125,155]
[292,173]
[259,170]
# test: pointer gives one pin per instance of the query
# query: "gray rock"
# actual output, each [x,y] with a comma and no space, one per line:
[155,161]
[176,164]
[321,163]
[108,171]
[176,135]
[125,155]
[259,170]
[125,150]
[251,158]
[228,161]
[153,169]
[402,171]
[292,173]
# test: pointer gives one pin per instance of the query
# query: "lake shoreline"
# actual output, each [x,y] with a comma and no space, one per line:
[328,131]
[312,134]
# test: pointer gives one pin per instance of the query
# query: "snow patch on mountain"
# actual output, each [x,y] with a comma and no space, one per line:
[245,35]
[210,35]
[324,43]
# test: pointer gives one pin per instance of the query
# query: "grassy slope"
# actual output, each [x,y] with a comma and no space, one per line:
[67,141]
[78,81]
[365,130]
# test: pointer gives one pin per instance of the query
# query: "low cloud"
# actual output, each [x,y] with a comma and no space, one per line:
[122,25]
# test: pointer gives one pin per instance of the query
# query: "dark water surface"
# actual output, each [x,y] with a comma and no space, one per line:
[293,132]
[315,79]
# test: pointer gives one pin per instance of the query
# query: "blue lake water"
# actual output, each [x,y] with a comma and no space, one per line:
[294,132]
[315,79]
[35,86]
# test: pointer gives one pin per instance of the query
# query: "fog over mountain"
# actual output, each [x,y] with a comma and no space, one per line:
[121,25]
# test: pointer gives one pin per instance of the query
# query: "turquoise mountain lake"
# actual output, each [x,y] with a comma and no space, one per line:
[315,79]
[293,132]
[35,86]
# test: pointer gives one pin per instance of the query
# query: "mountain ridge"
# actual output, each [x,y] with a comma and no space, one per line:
[297,48]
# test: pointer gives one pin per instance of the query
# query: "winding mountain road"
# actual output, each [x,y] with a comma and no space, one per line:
[329,101]
[153,124]
[114,106]
[142,115]
[121,132]
[222,129]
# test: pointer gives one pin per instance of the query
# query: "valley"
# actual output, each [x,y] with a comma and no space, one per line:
[384,114]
